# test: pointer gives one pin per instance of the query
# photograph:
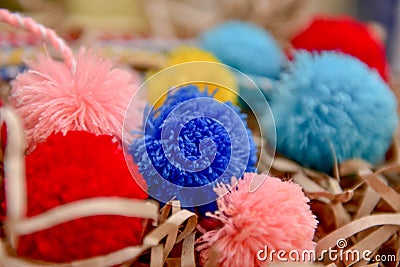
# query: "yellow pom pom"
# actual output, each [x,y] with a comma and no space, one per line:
[185,54]
[211,76]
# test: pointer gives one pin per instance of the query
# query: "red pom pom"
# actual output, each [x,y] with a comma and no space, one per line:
[77,166]
[346,35]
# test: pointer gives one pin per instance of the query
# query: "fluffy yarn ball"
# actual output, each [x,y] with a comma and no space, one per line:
[251,50]
[276,215]
[193,73]
[331,103]
[346,35]
[50,98]
[246,47]
[78,166]
[183,129]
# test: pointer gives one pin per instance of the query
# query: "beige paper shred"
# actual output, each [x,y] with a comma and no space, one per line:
[153,241]
[387,193]
[360,204]
[188,258]
[368,204]
[157,256]
[374,241]
[85,208]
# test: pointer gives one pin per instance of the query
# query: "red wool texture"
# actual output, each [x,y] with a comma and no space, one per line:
[78,166]
[346,35]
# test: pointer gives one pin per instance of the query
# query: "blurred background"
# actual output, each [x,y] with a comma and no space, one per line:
[169,20]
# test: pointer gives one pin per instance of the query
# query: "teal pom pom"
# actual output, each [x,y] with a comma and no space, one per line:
[251,50]
[245,47]
[329,104]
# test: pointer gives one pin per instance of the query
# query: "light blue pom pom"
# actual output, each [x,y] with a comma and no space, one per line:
[329,104]
[246,47]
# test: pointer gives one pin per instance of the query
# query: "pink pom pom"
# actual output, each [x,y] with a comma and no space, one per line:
[50,98]
[276,216]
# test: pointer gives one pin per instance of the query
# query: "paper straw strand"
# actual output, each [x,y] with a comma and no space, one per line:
[14,169]
[19,21]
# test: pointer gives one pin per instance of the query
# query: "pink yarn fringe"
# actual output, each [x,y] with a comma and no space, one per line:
[50,98]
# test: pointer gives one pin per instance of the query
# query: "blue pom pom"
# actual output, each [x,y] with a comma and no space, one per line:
[8,73]
[246,47]
[193,141]
[329,104]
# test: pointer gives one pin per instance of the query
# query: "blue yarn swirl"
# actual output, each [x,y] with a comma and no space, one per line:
[193,141]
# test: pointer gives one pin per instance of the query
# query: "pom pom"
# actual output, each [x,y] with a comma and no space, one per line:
[332,104]
[77,166]
[192,73]
[8,73]
[50,98]
[183,54]
[191,141]
[276,215]
[346,35]
[246,47]
[251,50]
